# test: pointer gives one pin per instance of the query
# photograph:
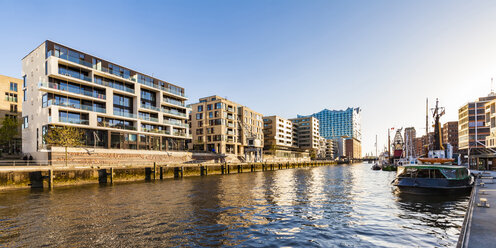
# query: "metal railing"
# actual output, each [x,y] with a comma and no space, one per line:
[81,92]
[76,106]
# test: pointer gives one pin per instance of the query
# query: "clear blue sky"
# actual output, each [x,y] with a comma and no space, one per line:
[282,57]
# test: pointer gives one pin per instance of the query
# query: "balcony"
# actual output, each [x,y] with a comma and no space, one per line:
[87,64]
[77,106]
[155,131]
[175,123]
[174,102]
[148,106]
[158,87]
[126,127]
[80,91]
[125,114]
[74,121]
[173,112]
[74,74]
[115,86]
[148,118]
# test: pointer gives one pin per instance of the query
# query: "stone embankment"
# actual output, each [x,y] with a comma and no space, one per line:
[12,177]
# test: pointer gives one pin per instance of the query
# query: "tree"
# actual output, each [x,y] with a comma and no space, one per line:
[9,129]
[64,136]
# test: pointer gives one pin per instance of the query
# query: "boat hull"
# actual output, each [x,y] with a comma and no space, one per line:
[433,185]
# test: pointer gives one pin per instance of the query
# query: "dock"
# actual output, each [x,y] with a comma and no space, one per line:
[479,225]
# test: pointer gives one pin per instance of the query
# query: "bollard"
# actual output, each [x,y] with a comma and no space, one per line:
[251,168]
[222,169]
[240,169]
[111,175]
[161,173]
[228,169]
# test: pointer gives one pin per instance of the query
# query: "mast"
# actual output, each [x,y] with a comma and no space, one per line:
[427,122]
[376,145]
[389,145]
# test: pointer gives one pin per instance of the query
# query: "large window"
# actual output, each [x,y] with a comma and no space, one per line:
[74,118]
[148,98]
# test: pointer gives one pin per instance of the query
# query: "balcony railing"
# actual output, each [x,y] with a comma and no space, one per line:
[148,118]
[173,112]
[156,86]
[148,106]
[175,123]
[70,73]
[115,86]
[126,127]
[125,114]
[88,64]
[69,58]
[174,102]
[82,92]
[77,106]
[155,131]
[74,121]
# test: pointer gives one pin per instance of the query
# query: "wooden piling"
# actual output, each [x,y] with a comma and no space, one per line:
[111,175]
[161,173]
[50,179]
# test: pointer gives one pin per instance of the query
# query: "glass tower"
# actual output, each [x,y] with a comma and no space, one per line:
[337,123]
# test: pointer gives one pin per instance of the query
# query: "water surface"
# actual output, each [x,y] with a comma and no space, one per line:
[330,206]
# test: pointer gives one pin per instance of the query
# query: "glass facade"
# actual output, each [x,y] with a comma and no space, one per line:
[337,123]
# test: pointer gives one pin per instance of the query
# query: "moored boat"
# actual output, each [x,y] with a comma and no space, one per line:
[433,178]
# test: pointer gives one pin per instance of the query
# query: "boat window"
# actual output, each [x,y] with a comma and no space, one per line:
[449,173]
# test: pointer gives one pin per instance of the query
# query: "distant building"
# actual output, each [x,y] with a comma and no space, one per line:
[330,149]
[11,107]
[491,123]
[450,134]
[308,132]
[409,136]
[337,123]
[468,126]
[353,148]
[418,146]
[222,126]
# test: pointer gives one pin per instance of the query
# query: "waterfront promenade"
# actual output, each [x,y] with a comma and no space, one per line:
[480,219]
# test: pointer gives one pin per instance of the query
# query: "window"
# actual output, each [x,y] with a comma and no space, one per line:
[209,107]
[24,81]
[200,108]
[199,116]
[13,108]
[210,115]
[24,122]
[13,86]
[218,105]
[24,94]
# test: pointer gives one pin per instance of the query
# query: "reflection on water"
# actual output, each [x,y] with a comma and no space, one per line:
[331,206]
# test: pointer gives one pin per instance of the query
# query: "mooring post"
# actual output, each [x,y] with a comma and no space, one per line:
[161,173]
[182,171]
[154,171]
[251,167]
[222,169]
[50,179]
[111,175]
[228,169]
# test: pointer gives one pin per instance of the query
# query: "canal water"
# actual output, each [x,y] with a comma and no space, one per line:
[330,206]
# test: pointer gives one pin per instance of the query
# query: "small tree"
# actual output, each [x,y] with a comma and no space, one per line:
[64,136]
[8,131]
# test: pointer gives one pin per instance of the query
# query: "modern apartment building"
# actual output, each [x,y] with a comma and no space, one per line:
[450,134]
[472,129]
[115,107]
[308,132]
[337,123]
[221,126]
[278,133]
[11,107]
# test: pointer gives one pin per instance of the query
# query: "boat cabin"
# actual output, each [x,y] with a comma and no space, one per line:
[433,171]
